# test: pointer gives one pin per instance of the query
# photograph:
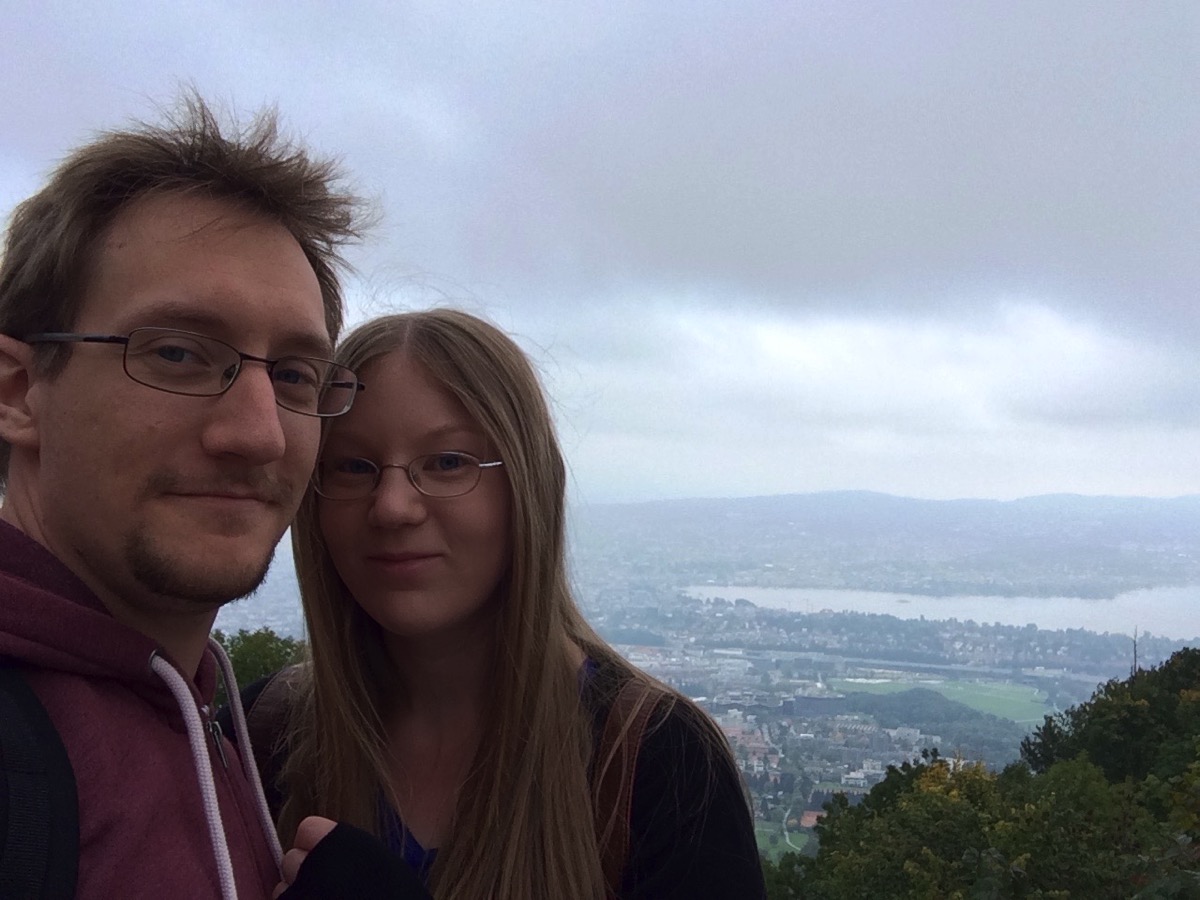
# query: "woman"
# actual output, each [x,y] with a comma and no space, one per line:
[457,704]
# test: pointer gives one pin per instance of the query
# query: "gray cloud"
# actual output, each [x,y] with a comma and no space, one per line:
[932,248]
[920,155]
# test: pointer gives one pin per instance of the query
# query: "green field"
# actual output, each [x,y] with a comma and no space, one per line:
[764,831]
[1019,702]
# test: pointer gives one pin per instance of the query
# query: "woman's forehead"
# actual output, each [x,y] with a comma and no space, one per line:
[402,397]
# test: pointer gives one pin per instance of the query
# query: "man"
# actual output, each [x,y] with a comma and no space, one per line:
[168,304]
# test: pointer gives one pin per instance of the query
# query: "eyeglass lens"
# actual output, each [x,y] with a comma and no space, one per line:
[446,474]
[185,363]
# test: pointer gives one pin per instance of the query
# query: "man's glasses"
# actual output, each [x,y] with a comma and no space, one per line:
[445,474]
[182,362]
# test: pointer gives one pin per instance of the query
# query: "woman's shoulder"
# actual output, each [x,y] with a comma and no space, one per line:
[690,828]
[682,759]
[269,701]
[684,749]
[268,704]
[618,694]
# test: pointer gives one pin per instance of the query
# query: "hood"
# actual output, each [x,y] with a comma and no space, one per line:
[50,619]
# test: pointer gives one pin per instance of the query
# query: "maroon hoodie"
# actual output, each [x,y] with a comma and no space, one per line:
[147,826]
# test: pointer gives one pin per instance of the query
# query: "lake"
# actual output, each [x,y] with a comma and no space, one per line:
[1172,612]
[276,604]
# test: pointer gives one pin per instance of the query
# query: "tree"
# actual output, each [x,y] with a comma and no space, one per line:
[1106,804]
[1071,830]
[255,654]
[1146,724]
[785,878]
[943,829]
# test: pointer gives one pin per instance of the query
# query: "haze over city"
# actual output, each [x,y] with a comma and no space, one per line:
[930,249]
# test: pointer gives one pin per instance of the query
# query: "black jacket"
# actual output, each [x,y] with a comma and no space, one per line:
[691,834]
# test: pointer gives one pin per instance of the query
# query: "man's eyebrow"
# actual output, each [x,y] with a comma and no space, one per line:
[188,318]
[308,345]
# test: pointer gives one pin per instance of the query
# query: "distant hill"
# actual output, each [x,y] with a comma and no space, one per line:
[1054,545]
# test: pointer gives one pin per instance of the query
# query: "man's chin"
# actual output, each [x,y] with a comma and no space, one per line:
[205,574]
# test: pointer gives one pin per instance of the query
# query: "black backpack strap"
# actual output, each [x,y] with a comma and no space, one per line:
[39,806]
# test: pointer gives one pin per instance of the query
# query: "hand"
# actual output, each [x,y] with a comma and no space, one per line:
[308,835]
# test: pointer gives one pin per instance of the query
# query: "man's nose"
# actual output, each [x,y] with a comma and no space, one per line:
[246,419]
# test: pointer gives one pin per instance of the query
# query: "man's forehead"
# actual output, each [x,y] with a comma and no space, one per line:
[192,212]
[209,265]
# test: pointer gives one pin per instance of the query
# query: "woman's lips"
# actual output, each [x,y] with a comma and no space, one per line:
[406,565]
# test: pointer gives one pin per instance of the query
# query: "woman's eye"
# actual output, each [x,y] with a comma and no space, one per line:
[448,462]
[353,465]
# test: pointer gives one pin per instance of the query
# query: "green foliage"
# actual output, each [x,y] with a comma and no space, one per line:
[941,829]
[1147,724]
[1105,804]
[785,878]
[255,654]
[909,839]
[1075,831]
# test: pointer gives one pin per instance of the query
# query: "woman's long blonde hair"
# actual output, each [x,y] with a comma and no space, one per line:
[523,826]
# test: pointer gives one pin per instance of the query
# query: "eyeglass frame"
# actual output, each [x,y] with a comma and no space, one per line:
[69,337]
[479,464]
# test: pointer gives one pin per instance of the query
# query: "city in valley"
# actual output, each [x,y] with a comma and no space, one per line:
[819,701]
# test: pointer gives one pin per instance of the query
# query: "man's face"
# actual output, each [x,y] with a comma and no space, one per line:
[162,502]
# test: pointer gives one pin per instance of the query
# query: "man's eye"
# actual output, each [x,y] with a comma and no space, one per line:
[172,348]
[295,374]
[179,354]
[173,354]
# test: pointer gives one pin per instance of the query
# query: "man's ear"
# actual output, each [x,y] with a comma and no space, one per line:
[18,423]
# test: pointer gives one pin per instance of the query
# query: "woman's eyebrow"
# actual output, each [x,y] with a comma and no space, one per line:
[454,428]
[343,435]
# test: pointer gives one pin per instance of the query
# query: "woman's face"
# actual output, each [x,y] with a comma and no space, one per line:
[420,566]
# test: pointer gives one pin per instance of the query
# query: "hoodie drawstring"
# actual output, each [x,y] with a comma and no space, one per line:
[208,789]
[203,765]
[243,741]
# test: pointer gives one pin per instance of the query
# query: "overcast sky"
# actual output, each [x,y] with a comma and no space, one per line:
[933,249]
